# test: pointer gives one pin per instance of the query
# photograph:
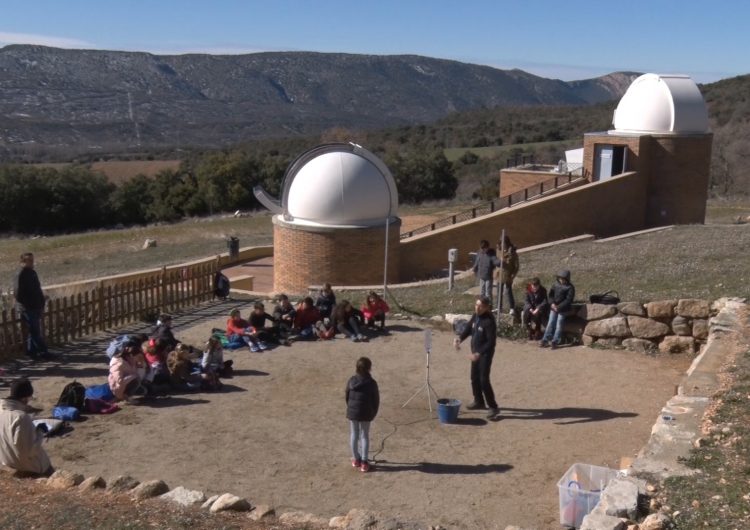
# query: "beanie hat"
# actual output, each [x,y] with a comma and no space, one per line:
[21,389]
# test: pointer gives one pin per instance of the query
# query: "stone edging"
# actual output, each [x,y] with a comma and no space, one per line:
[676,431]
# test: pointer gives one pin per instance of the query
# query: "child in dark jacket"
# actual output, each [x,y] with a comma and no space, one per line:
[362,403]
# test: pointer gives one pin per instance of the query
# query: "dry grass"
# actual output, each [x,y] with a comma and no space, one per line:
[118,171]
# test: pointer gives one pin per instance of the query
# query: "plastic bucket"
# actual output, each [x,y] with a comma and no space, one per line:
[447,410]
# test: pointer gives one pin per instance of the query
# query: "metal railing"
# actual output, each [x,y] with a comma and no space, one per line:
[526,194]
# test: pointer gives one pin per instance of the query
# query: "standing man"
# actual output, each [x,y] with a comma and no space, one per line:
[483,331]
[20,443]
[561,296]
[484,265]
[30,302]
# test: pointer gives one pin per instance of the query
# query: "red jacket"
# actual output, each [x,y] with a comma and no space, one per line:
[306,317]
[237,327]
[371,309]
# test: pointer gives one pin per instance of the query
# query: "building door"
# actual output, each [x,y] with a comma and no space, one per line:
[609,160]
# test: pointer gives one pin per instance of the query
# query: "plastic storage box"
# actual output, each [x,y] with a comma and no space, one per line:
[580,488]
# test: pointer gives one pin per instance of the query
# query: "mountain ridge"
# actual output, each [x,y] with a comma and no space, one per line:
[101,99]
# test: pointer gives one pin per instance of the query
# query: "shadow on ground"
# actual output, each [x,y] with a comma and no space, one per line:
[574,414]
[442,469]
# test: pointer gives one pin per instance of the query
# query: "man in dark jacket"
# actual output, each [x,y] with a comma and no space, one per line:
[30,303]
[362,404]
[561,296]
[535,309]
[484,265]
[483,331]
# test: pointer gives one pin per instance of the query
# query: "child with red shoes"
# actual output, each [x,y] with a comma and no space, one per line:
[362,403]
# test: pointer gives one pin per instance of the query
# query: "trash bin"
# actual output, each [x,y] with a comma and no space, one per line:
[447,410]
[233,244]
[580,488]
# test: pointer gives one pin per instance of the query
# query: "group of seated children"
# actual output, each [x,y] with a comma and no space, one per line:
[308,320]
[141,365]
[547,311]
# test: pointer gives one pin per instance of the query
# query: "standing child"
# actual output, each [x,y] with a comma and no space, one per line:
[362,403]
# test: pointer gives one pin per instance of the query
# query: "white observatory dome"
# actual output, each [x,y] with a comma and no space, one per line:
[339,185]
[662,104]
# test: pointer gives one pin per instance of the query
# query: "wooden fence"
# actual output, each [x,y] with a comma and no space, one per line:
[114,304]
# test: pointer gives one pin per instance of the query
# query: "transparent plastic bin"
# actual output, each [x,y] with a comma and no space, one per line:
[580,488]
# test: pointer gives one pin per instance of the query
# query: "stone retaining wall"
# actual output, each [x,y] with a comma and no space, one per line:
[669,326]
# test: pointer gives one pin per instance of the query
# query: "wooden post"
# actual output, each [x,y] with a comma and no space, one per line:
[163,293]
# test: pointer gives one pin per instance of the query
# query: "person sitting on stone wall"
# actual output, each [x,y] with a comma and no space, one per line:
[560,297]
[535,309]
[348,321]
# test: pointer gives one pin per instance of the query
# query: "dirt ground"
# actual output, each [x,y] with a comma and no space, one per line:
[277,433]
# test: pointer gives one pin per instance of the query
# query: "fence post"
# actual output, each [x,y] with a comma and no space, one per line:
[163,290]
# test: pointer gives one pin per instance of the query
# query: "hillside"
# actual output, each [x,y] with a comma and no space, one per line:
[107,100]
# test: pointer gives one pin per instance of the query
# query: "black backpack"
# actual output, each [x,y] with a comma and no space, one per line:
[72,396]
[221,285]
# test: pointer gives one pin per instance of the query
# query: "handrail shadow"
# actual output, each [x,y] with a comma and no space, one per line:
[435,468]
[575,414]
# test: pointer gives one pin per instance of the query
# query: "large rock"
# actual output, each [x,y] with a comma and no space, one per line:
[92,483]
[631,308]
[597,521]
[121,484]
[262,511]
[609,342]
[230,502]
[693,308]
[677,344]
[149,243]
[152,488]
[645,328]
[608,327]
[661,309]
[700,329]
[620,498]
[597,311]
[301,519]
[587,340]
[184,497]
[62,479]
[681,326]
[655,521]
[639,345]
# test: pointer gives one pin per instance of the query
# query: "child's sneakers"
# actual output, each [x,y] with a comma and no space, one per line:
[262,346]
[254,348]
[364,466]
[356,463]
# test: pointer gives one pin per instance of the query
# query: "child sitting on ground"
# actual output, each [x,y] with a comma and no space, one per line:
[348,321]
[184,374]
[240,333]
[326,301]
[375,309]
[283,316]
[213,365]
[124,380]
[305,319]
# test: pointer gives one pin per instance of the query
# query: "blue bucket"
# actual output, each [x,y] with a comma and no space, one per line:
[447,410]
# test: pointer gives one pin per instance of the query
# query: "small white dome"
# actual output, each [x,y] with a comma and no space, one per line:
[339,185]
[662,104]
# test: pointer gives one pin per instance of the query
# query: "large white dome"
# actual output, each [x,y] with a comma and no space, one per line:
[339,185]
[662,104]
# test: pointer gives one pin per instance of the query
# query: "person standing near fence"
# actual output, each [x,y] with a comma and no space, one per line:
[30,301]
[484,265]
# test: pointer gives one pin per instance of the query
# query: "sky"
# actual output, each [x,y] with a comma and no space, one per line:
[562,39]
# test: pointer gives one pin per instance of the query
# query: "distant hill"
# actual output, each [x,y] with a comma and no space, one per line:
[106,100]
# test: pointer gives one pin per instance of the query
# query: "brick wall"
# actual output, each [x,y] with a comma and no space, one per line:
[513,180]
[607,208]
[306,255]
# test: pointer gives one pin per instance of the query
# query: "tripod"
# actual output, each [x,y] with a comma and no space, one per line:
[426,386]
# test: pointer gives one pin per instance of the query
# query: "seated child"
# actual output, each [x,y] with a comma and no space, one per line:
[306,317]
[124,379]
[283,316]
[374,310]
[348,321]
[326,301]
[535,309]
[183,372]
[240,333]
[258,329]
[213,362]
[156,362]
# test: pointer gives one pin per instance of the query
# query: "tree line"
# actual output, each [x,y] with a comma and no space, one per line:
[45,200]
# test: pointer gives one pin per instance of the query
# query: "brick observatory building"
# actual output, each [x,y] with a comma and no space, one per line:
[338,205]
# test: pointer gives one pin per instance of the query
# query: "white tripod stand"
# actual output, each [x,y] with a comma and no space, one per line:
[426,386]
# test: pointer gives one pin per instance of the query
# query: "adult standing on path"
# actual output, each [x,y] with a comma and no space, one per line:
[30,302]
[483,331]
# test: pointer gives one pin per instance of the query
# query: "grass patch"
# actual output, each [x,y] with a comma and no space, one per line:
[718,496]
[505,151]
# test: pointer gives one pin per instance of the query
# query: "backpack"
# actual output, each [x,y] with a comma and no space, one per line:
[221,285]
[72,395]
